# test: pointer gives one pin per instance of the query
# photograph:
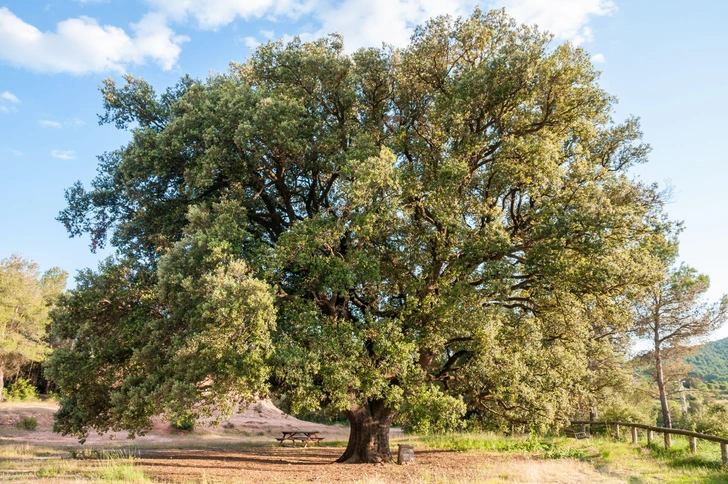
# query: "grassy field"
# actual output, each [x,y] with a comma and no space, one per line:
[439,459]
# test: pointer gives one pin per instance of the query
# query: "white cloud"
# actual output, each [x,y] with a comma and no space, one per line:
[81,45]
[598,59]
[250,42]
[69,123]
[17,152]
[46,123]
[213,14]
[566,19]
[9,96]
[7,100]
[368,23]
[64,154]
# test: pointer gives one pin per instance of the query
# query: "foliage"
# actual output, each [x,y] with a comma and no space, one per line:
[26,296]
[565,453]
[710,363]
[21,390]
[633,402]
[103,454]
[454,219]
[27,423]
[431,411]
[213,360]
[465,441]
[708,418]
[183,423]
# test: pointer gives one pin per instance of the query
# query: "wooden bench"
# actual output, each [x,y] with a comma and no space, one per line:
[577,435]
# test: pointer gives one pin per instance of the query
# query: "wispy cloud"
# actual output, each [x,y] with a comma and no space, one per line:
[598,59]
[9,96]
[7,102]
[64,154]
[17,152]
[46,123]
[69,123]
[249,41]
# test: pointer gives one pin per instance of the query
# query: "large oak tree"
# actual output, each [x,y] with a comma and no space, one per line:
[385,233]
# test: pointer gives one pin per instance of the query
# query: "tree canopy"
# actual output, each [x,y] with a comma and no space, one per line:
[26,296]
[447,226]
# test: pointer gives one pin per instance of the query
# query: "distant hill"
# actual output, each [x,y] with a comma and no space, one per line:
[710,364]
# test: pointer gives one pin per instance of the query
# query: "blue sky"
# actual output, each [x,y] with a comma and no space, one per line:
[665,61]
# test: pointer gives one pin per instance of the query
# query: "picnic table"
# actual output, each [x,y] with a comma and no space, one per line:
[305,436]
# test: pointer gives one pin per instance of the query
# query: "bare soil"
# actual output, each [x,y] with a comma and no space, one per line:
[244,450]
[298,465]
[260,422]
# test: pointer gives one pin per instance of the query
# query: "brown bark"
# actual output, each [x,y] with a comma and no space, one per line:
[369,434]
[2,382]
[666,419]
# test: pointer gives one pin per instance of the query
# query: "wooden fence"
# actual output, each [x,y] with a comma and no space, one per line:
[692,436]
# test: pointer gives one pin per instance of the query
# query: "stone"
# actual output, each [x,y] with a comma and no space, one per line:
[406,454]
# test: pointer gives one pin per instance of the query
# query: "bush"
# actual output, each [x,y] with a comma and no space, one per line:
[27,423]
[21,390]
[183,423]
[429,411]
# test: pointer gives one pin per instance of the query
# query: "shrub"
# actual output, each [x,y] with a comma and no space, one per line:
[22,389]
[183,423]
[27,423]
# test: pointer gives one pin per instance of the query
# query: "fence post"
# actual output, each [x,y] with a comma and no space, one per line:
[724,453]
[650,437]
[667,440]
[693,444]
[618,434]
[634,435]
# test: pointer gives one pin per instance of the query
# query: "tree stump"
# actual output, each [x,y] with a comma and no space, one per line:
[406,454]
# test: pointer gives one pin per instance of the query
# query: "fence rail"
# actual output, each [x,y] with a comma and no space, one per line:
[693,436]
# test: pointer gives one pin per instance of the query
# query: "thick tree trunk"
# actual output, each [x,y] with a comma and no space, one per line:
[369,434]
[666,419]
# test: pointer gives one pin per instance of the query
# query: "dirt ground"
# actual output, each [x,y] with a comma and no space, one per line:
[258,423]
[244,450]
[289,465]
